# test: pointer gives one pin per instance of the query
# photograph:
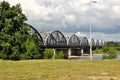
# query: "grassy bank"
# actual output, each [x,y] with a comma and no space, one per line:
[60,70]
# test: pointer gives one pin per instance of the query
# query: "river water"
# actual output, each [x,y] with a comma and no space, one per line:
[94,57]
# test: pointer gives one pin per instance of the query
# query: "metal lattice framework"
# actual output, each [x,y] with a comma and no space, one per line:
[73,41]
[101,43]
[84,41]
[97,43]
[34,31]
[53,39]
[93,43]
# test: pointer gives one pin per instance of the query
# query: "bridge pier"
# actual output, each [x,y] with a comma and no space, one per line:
[69,52]
[82,51]
[54,50]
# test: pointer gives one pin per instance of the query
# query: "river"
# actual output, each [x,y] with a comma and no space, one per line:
[94,57]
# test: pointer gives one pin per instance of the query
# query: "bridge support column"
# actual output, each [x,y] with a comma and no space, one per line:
[82,51]
[54,50]
[69,52]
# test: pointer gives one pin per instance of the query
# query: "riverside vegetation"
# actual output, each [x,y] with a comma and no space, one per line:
[110,50]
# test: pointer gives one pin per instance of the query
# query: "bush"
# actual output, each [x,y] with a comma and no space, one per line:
[60,55]
[98,51]
[111,54]
[14,56]
[105,49]
[48,53]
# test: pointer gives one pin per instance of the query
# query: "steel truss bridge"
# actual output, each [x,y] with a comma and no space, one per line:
[57,40]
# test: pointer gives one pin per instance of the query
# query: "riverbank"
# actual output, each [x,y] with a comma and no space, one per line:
[60,70]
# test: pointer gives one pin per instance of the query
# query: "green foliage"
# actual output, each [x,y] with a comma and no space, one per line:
[105,49]
[110,50]
[112,47]
[15,41]
[60,55]
[110,54]
[6,50]
[98,51]
[32,48]
[48,53]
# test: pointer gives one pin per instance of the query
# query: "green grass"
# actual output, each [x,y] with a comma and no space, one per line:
[60,70]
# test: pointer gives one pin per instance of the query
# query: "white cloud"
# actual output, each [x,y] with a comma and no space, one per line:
[116,8]
[70,20]
[73,15]
[106,37]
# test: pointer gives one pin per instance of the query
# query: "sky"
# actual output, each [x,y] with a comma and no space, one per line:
[72,16]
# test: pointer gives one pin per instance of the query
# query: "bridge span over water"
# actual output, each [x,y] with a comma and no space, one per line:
[73,43]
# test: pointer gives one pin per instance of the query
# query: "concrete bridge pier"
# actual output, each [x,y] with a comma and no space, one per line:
[54,50]
[69,52]
[82,52]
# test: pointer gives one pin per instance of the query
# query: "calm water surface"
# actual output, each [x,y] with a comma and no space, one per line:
[95,57]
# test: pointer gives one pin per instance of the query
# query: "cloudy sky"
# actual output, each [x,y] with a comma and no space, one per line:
[74,16]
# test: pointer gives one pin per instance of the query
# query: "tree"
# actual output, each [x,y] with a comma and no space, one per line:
[31,47]
[14,33]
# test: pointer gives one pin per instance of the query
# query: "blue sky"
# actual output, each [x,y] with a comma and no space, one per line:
[74,16]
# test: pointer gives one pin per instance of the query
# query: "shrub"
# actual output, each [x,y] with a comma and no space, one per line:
[105,49]
[111,54]
[60,55]
[48,53]
[98,51]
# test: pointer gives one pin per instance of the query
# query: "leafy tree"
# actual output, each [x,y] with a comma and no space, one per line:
[31,47]
[14,34]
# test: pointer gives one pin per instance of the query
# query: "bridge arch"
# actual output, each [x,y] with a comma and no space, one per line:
[101,43]
[34,31]
[97,43]
[93,43]
[73,41]
[53,39]
[84,42]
